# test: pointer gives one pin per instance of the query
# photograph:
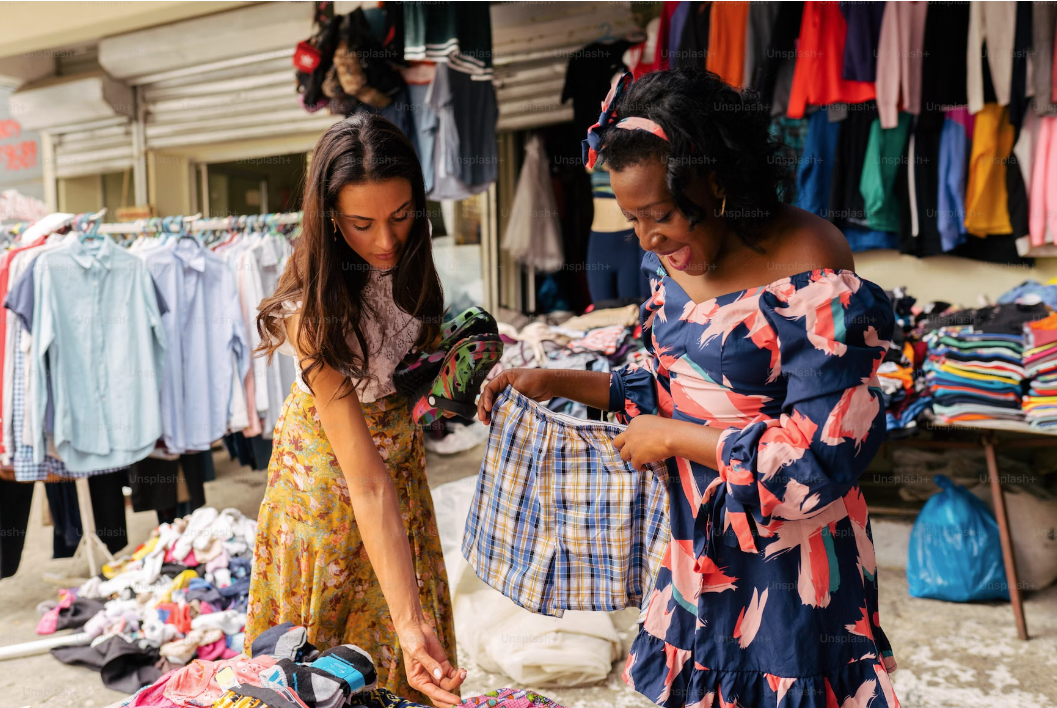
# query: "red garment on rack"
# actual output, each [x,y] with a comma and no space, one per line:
[5,272]
[818,77]
[659,60]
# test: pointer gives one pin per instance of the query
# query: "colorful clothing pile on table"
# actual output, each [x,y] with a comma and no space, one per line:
[903,388]
[975,362]
[1040,369]
[974,375]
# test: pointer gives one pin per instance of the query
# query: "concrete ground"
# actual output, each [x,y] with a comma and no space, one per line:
[950,655]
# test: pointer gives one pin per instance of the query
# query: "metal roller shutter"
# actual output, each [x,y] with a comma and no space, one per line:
[252,97]
[222,78]
[92,148]
[532,43]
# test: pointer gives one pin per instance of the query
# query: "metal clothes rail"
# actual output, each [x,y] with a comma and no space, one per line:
[199,224]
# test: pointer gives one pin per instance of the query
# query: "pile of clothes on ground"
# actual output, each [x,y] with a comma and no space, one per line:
[167,626]
[601,340]
[180,596]
[286,671]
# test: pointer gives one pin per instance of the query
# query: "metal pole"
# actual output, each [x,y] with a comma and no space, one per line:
[1007,541]
[139,150]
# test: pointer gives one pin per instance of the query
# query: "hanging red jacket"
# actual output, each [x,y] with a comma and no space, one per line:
[818,77]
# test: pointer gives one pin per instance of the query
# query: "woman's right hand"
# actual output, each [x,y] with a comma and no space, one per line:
[531,383]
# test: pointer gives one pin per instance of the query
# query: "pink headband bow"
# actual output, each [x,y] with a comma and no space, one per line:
[608,118]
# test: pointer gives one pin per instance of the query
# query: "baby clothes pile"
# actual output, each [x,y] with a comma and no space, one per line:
[181,595]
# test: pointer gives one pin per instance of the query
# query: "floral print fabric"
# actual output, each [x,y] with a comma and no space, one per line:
[310,566]
[510,698]
[767,595]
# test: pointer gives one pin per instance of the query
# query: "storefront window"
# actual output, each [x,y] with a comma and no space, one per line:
[255,185]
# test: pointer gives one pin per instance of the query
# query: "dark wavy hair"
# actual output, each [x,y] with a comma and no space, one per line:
[328,277]
[712,128]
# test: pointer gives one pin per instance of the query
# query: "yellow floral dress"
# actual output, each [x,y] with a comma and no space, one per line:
[310,566]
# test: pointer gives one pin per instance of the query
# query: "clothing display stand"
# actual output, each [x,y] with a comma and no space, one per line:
[988,439]
[90,544]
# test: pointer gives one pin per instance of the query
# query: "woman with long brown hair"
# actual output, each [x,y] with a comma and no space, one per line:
[347,542]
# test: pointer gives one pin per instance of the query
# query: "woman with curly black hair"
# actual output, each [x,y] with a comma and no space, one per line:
[760,397]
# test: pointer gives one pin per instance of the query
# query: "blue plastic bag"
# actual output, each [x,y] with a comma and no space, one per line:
[955,550]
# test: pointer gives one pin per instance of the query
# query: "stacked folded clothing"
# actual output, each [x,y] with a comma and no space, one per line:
[1040,367]
[974,375]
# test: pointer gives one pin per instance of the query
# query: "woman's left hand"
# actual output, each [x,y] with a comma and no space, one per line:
[645,440]
[427,668]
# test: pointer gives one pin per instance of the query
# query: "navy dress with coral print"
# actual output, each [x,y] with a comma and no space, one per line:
[767,595]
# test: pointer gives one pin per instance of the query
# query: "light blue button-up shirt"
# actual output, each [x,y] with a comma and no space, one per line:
[97,324]
[206,335]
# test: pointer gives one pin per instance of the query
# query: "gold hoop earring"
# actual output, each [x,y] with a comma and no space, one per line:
[335,225]
[723,208]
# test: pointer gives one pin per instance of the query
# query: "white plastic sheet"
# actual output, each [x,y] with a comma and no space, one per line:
[576,650]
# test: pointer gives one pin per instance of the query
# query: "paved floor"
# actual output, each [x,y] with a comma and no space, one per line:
[950,655]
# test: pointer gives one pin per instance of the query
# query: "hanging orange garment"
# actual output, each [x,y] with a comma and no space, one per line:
[818,77]
[986,198]
[727,32]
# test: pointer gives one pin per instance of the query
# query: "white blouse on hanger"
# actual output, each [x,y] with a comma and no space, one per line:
[390,333]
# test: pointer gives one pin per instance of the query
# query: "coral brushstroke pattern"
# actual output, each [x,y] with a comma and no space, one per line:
[767,594]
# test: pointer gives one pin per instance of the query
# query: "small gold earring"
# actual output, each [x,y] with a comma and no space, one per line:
[335,225]
[723,208]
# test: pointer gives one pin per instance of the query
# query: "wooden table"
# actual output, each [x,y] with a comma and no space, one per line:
[989,440]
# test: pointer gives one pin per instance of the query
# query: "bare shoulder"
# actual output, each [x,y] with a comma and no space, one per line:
[805,241]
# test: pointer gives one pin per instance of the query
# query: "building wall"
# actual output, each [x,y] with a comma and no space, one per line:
[956,280]
[169,184]
[41,27]
[79,195]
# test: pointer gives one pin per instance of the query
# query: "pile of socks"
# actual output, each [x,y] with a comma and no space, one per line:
[1040,368]
[974,375]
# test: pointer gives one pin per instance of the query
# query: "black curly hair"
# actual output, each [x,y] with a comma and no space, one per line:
[712,127]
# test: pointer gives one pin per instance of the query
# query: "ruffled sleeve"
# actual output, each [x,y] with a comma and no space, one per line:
[289,310]
[633,390]
[833,332]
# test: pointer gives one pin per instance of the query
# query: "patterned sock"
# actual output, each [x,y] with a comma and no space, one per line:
[330,679]
[273,698]
[293,645]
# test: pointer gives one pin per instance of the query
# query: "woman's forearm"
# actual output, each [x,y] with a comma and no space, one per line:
[374,500]
[388,549]
[692,441]
[588,387]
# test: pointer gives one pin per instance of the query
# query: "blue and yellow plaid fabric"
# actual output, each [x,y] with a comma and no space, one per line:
[558,521]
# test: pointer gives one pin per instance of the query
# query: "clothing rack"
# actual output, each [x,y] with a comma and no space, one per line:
[91,547]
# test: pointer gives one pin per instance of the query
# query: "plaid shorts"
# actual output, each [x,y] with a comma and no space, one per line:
[558,521]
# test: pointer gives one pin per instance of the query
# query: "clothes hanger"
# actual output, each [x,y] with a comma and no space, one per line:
[88,225]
